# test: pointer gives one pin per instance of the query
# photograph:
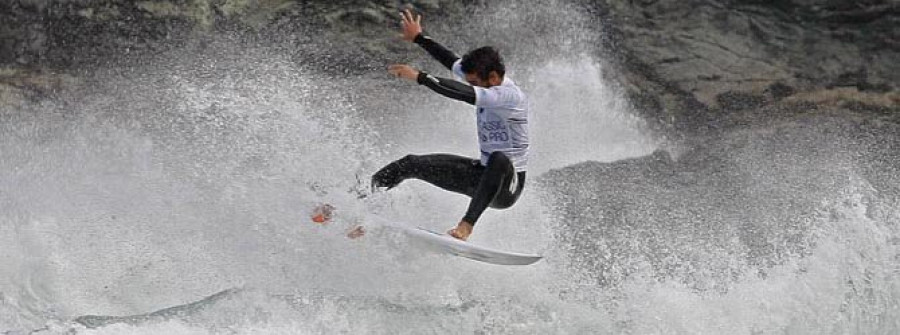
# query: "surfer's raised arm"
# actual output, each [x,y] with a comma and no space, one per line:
[412,32]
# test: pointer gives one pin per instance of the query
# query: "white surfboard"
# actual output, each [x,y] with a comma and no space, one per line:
[447,244]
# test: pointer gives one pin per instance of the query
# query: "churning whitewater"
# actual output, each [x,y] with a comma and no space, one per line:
[170,194]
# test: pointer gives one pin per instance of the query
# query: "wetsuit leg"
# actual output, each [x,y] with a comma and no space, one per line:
[495,188]
[450,172]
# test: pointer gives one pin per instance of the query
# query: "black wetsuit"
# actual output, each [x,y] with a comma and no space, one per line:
[495,184]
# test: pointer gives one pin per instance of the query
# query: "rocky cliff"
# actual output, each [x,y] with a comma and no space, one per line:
[688,66]
[699,64]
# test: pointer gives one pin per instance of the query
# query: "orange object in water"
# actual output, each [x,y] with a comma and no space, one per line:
[322,213]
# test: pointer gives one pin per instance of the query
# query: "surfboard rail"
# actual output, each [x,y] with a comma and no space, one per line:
[446,244]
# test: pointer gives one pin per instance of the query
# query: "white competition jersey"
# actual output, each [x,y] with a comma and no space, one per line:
[502,116]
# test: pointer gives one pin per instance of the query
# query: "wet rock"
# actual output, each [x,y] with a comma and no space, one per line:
[716,51]
[686,66]
[18,86]
[64,34]
[736,101]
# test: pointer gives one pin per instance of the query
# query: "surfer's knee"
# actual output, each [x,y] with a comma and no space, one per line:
[499,206]
[408,160]
[504,200]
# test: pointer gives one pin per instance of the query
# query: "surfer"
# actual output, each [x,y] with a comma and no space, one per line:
[497,178]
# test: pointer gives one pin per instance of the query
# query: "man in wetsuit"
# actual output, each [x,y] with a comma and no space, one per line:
[497,178]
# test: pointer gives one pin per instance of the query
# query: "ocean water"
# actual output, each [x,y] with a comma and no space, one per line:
[171,195]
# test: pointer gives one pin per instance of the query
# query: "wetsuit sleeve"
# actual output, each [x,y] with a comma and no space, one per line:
[448,87]
[436,50]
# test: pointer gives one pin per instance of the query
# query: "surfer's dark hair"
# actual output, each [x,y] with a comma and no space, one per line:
[482,61]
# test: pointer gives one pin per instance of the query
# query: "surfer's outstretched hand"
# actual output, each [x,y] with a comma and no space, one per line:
[404,71]
[412,26]
[462,230]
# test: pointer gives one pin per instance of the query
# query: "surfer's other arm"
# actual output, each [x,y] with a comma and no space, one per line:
[447,87]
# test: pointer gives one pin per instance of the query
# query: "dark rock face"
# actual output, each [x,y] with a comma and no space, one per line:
[22,34]
[684,64]
[683,58]
[63,34]
[66,33]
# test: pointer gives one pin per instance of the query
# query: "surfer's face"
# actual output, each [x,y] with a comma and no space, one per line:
[493,79]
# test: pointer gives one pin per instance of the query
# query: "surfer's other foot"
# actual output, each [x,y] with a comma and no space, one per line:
[322,213]
[356,232]
[462,230]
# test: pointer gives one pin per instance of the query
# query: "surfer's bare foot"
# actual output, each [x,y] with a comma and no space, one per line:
[356,232]
[462,230]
